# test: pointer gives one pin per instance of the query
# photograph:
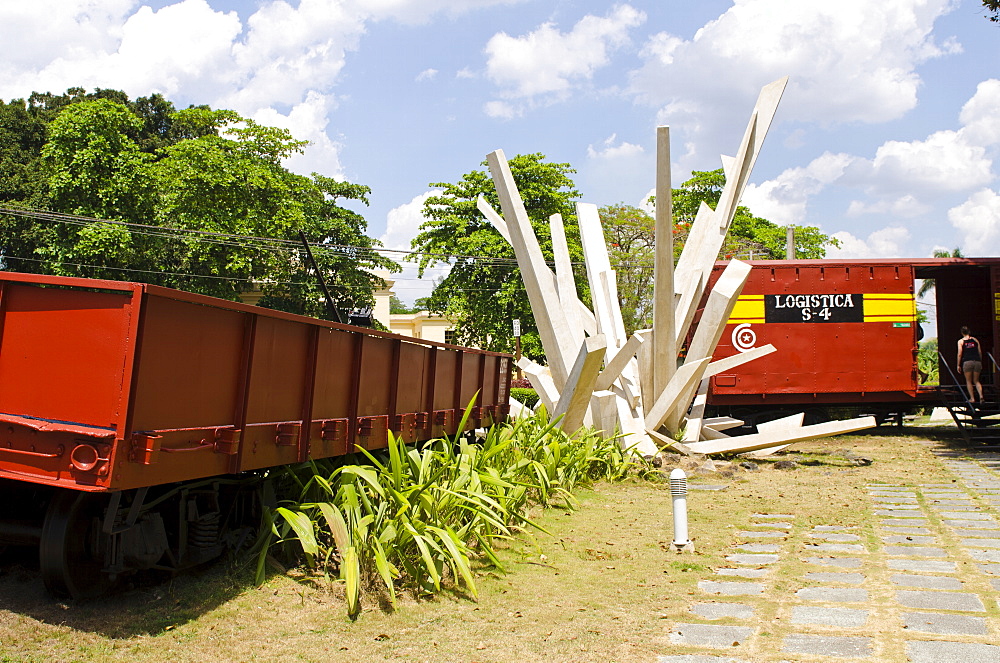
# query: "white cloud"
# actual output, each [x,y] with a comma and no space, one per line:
[981,114]
[426,75]
[784,200]
[287,55]
[905,206]
[288,51]
[644,203]
[501,110]
[850,61]
[185,45]
[978,223]
[547,63]
[903,178]
[187,50]
[885,243]
[402,225]
[609,150]
[420,11]
[945,162]
[309,121]
[55,31]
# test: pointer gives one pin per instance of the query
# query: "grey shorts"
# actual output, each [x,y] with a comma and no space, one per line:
[972,367]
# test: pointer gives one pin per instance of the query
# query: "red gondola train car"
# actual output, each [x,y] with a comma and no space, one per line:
[128,409]
[846,334]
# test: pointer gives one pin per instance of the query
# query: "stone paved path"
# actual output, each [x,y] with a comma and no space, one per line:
[921,585]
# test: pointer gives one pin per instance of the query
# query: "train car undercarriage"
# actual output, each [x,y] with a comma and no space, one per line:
[89,543]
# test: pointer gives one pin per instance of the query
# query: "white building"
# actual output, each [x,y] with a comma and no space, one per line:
[422,324]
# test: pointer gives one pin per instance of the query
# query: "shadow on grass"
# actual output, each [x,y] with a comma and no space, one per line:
[141,608]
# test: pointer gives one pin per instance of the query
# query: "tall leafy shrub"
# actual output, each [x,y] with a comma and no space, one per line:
[420,517]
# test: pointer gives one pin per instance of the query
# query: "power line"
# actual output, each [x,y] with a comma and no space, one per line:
[228,239]
[272,244]
[5,258]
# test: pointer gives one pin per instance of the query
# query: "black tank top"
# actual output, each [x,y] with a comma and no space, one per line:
[970,350]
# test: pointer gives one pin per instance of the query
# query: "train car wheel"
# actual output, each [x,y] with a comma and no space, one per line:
[71,549]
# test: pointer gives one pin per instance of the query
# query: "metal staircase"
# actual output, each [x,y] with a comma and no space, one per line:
[979,423]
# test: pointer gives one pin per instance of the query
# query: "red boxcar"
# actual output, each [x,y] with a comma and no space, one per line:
[111,387]
[846,332]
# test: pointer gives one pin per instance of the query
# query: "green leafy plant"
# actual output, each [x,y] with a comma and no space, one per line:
[525,396]
[423,517]
[927,361]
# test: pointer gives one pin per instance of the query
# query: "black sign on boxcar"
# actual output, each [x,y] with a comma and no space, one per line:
[814,308]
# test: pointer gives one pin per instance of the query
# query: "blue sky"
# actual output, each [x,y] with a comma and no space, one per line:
[888,135]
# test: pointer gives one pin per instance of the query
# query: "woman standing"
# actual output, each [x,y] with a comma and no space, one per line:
[970,362]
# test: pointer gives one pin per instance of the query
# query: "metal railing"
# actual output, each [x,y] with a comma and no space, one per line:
[959,386]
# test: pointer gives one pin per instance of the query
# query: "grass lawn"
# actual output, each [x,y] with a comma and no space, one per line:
[604,587]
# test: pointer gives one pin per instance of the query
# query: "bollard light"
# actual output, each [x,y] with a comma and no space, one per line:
[679,491]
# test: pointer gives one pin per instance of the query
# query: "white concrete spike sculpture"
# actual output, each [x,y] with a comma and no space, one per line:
[642,392]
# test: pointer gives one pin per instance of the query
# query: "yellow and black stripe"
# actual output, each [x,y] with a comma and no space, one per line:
[876,307]
[883,307]
[748,309]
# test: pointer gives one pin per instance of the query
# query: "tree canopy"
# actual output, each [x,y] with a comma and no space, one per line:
[992,10]
[484,290]
[196,199]
[629,234]
[750,237]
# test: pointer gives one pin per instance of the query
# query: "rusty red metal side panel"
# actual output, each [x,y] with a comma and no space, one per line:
[281,357]
[186,393]
[65,356]
[446,384]
[836,328]
[107,385]
[376,389]
[62,353]
[332,413]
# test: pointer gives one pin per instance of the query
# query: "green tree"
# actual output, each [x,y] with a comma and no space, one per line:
[484,290]
[94,167]
[22,136]
[928,284]
[750,236]
[992,10]
[210,209]
[629,234]
[396,305]
[927,361]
